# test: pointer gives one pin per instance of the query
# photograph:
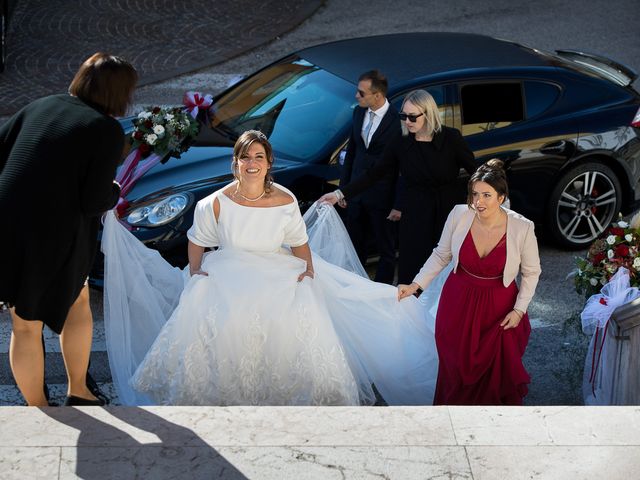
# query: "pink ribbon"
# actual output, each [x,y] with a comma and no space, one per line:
[195,101]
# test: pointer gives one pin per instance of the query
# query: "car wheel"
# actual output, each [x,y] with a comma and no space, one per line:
[583,203]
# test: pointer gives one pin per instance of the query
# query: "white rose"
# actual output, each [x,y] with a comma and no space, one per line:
[610,253]
[144,115]
[623,224]
[628,237]
[158,130]
[611,239]
[169,116]
[153,138]
[636,262]
[593,281]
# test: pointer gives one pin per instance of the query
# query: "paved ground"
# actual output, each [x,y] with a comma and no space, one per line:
[556,351]
[48,40]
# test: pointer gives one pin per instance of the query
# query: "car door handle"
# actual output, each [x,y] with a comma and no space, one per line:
[555,148]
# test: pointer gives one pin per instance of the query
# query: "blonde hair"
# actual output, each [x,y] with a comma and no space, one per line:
[427,105]
[242,146]
[106,81]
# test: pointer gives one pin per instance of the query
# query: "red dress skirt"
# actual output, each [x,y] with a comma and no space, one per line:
[480,362]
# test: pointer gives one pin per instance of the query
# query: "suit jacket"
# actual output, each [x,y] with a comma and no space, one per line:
[359,158]
[522,252]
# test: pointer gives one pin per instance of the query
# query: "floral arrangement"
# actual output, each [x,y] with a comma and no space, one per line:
[164,130]
[619,246]
[157,132]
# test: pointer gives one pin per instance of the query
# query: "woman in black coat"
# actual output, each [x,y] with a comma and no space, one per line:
[429,157]
[58,158]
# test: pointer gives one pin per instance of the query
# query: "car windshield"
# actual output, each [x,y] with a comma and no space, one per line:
[302,108]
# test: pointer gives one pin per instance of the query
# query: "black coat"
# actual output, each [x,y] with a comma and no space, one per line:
[58,158]
[359,158]
[430,190]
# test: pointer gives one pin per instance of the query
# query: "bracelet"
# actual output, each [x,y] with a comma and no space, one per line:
[518,311]
[339,194]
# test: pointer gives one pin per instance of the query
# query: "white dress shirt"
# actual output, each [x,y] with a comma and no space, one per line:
[377,118]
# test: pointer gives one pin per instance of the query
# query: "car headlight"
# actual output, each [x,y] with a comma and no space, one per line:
[160,212]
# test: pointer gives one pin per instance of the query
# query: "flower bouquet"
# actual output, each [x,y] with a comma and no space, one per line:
[158,134]
[619,246]
[164,130]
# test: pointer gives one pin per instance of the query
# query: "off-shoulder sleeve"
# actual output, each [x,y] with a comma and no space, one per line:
[295,231]
[204,231]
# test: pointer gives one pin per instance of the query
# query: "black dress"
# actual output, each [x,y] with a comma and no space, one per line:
[429,171]
[58,158]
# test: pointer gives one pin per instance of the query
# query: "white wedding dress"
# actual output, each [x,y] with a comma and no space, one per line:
[249,333]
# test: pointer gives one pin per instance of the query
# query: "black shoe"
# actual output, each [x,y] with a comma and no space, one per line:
[95,390]
[73,401]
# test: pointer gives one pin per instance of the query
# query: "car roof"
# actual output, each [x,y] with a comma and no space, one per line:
[403,56]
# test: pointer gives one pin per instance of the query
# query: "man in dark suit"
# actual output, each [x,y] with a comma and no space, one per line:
[375,124]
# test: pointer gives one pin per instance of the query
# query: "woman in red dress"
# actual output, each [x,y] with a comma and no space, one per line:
[482,326]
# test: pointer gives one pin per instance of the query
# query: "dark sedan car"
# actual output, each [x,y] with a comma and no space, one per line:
[566,124]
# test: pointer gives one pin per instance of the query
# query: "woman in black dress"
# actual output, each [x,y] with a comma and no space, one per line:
[429,157]
[58,158]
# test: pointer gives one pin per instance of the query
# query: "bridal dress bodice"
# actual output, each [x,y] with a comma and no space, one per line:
[251,229]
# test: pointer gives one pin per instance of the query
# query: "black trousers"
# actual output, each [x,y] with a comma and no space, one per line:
[362,219]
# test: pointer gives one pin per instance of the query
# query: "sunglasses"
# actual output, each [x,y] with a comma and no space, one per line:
[412,117]
[364,94]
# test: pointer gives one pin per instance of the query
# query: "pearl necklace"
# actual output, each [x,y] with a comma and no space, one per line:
[251,199]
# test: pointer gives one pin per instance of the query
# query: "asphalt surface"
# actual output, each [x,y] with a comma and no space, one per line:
[556,350]
[48,40]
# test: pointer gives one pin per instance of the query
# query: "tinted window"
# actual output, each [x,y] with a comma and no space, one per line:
[488,106]
[300,107]
[539,96]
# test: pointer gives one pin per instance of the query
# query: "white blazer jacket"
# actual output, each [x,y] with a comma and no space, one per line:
[522,252]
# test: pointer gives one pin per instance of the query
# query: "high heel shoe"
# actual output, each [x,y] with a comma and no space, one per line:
[73,401]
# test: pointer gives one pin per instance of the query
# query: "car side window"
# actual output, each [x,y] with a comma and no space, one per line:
[487,106]
[539,96]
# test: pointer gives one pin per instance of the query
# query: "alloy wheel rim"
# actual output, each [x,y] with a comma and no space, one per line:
[586,207]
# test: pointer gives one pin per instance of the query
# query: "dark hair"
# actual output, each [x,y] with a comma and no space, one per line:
[491,172]
[242,146]
[378,81]
[106,81]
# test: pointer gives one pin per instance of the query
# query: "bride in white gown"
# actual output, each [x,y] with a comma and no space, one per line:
[260,321]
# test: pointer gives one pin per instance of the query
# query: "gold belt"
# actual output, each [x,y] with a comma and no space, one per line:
[479,277]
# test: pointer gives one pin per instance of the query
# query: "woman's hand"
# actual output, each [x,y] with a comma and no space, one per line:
[405,291]
[306,273]
[394,215]
[512,319]
[197,271]
[330,198]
